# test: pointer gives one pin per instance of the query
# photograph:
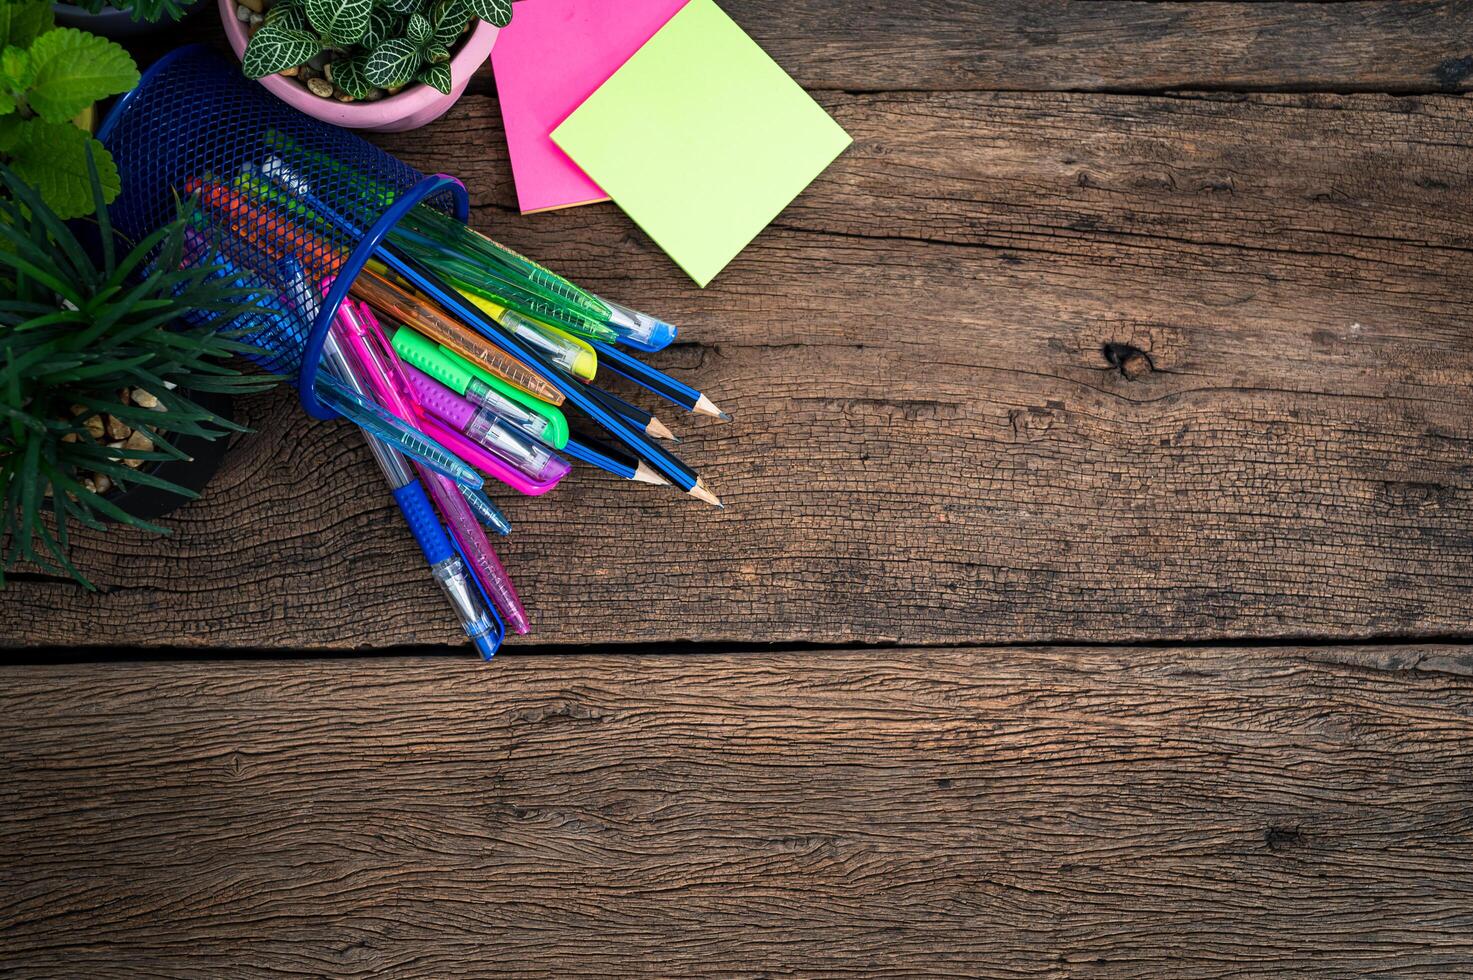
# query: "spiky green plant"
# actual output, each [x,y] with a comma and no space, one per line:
[75,329]
[151,11]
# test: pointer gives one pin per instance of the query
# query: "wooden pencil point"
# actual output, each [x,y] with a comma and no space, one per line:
[700,492]
[704,406]
[643,473]
[660,430]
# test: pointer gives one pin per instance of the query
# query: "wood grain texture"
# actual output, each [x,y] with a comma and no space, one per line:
[934,442]
[1089,813]
[1113,45]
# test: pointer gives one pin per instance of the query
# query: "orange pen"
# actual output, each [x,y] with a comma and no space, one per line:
[425,317]
[275,234]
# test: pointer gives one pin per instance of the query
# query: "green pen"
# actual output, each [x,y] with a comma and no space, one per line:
[525,412]
[443,234]
[583,312]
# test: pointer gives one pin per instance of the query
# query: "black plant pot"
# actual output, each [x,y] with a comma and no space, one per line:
[147,502]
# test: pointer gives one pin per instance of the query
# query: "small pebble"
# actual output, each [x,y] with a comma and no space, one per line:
[320,86]
[395,89]
[256,6]
[102,483]
[93,425]
[243,13]
[257,20]
[140,442]
[342,96]
[87,484]
[327,71]
[374,94]
[289,72]
[305,72]
[116,428]
[123,396]
[143,398]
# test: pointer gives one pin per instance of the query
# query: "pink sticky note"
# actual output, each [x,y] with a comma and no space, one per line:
[553,56]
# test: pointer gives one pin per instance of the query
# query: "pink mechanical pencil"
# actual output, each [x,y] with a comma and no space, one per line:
[360,332]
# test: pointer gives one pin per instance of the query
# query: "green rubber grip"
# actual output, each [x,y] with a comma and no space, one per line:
[456,373]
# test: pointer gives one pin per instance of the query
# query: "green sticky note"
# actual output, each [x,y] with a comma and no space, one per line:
[701,138]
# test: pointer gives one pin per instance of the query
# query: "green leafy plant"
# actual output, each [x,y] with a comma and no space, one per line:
[151,11]
[371,45]
[48,76]
[76,332]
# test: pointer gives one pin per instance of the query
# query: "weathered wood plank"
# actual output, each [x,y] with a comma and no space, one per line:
[1100,45]
[1001,812]
[931,444]
[1053,45]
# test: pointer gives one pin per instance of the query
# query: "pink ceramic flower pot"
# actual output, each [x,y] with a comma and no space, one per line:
[416,105]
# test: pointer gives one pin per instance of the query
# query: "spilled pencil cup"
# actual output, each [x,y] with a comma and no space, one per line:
[196,134]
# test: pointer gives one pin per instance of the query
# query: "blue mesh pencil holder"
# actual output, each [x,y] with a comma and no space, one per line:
[196,128]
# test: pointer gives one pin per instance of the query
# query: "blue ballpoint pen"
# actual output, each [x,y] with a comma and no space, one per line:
[479,620]
[389,429]
[486,512]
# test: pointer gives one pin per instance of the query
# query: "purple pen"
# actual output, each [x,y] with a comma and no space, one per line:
[486,428]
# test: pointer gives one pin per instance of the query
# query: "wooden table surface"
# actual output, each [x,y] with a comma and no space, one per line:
[1092,598]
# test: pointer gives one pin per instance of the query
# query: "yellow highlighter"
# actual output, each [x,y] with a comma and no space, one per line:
[566,352]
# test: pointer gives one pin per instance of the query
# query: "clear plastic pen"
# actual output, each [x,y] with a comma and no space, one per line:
[393,432]
[384,374]
[446,567]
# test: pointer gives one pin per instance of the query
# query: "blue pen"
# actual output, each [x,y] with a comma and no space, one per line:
[486,512]
[483,627]
[389,429]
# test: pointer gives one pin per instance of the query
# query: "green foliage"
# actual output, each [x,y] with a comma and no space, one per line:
[74,331]
[373,43]
[48,75]
[152,11]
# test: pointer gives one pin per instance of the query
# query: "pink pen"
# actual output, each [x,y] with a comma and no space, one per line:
[486,430]
[359,331]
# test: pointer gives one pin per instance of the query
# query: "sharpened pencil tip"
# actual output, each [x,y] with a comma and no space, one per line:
[659,430]
[704,406]
[645,474]
[700,492]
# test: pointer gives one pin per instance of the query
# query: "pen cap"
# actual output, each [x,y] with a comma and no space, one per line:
[584,362]
[556,434]
[195,126]
[440,400]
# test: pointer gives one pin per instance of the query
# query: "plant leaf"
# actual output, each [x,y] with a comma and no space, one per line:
[15,77]
[419,30]
[497,12]
[71,69]
[275,48]
[52,157]
[348,75]
[383,24]
[392,63]
[436,77]
[450,18]
[340,22]
[22,22]
[402,7]
[286,15]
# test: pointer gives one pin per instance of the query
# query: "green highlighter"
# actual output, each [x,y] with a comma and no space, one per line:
[530,415]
